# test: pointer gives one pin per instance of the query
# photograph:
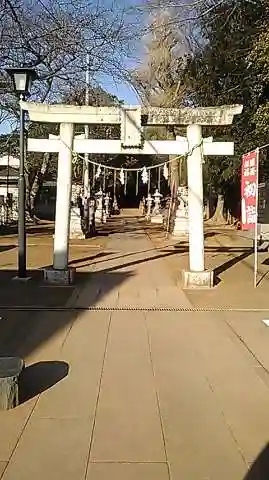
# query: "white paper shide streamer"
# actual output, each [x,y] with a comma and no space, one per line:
[165,171]
[145,176]
[122,177]
[98,173]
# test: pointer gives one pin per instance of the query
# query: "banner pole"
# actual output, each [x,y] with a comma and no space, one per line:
[256,223]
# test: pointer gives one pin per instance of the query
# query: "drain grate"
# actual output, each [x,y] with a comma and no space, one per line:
[127,308]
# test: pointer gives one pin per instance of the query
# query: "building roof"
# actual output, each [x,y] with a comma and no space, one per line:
[6,160]
[11,173]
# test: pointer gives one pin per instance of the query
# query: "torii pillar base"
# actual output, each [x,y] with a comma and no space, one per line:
[56,276]
[198,280]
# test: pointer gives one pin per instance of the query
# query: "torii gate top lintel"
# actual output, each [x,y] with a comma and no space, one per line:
[222,115]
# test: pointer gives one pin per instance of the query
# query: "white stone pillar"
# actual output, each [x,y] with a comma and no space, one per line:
[195,198]
[63,200]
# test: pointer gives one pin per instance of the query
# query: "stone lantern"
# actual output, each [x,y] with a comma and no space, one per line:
[181,226]
[156,213]
[99,207]
[149,206]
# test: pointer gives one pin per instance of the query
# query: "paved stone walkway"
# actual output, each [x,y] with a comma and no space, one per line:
[133,273]
[137,395]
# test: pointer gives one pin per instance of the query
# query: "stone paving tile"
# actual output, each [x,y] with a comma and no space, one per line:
[242,394]
[12,423]
[128,293]
[32,293]
[76,395]
[107,299]
[128,471]
[128,426]
[42,339]
[13,330]
[172,296]
[148,282]
[2,467]
[102,289]
[253,332]
[198,441]
[51,449]
[87,337]
[87,296]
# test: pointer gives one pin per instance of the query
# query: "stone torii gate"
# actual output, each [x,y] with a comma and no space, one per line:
[132,119]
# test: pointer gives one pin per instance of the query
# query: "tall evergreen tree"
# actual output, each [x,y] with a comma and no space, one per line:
[223,70]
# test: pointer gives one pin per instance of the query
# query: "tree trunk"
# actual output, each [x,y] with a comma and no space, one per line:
[173,165]
[218,217]
[37,183]
[174,172]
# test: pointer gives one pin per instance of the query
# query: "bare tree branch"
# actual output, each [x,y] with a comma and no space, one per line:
[54,37]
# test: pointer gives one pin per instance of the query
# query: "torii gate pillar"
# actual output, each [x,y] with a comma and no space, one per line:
[60,271]
[195,198]
[64,185]
[196,276]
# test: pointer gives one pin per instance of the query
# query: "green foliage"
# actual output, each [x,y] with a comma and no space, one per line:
[260,61]
[97,97]
[231,66]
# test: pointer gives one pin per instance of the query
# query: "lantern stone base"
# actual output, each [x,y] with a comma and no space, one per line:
[198,280]
[99,216]
[75,224]
[157,219]
[181,227]
[59,277]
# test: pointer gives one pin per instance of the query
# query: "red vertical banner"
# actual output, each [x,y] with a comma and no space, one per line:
[249,190]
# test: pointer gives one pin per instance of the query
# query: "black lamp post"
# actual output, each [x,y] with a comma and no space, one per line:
[22,79]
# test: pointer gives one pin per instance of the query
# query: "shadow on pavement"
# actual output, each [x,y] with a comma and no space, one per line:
[183,249]
[233,261]
[5,248]
[31,229]
[77,261]
[39,377]
[259,470]
[24,329]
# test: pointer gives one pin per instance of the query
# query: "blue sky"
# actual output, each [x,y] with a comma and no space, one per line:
[123,92]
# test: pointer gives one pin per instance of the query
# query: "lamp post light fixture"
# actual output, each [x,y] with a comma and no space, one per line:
[22,79]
